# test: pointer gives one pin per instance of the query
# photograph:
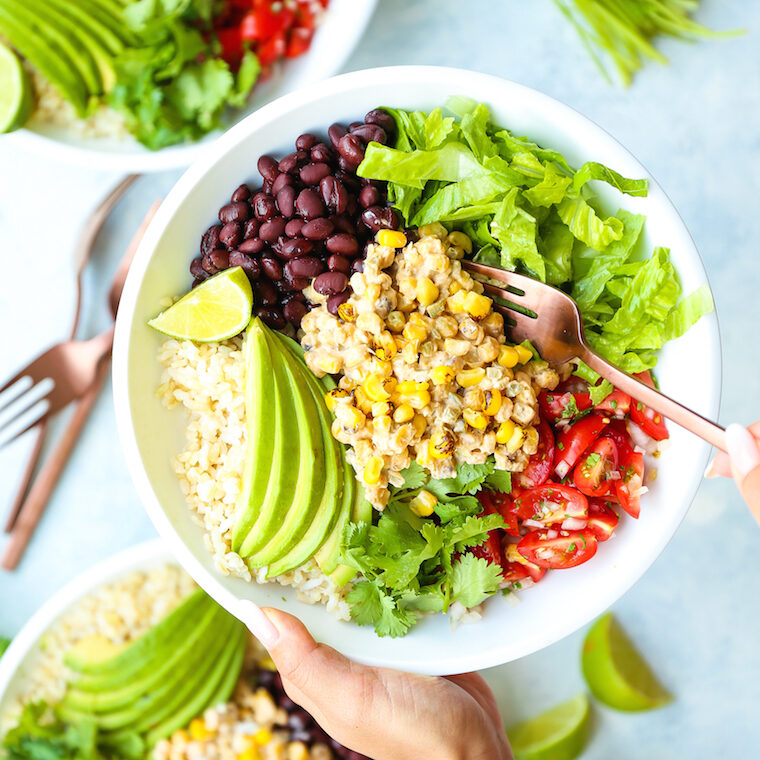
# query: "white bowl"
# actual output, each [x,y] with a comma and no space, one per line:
[689,369]
[23,653]
[334,41]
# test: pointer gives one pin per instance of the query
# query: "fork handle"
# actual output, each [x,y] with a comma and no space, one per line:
[664,405]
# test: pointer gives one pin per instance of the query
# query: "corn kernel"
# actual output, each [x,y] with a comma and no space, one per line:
[423,503]
[409,352]
[347,312]
[492,402]
[350,417]
[396,321]
[455,287]
[493,324]
[419,423]
[442,444]
[417,319]
[410,386]
[478,420]
[436,229]
[418,399]
[198,731]
[516,440]
[456,253]
[262,736]
[391,238]
[335,396]
[372,471]
[460,239]
[384,346]
[508,357]
[476,305]
[330,365]
[181,736]
[442,375]
[415,332]
[298,751]
[424,457]
[363,401]
[381,423]
[524,354]
[456,347]
[403,413]
[252,753]
[379,408]
[427,292]
[469,377]
[505,431]
[378,388]
[456,303]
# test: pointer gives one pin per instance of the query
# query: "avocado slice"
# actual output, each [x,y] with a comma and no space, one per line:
[163,668]
[49,61]
[299,514]
[130,660]
[260,405]
[362,512]
[78,57]
[332,486]
[285,465]
[111,14]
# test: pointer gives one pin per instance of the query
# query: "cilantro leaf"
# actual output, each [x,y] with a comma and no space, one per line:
[474,579]
[472,532]
[500,480]
[415,476]
[371,605]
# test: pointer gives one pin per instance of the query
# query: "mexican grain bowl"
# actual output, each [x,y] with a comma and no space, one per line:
[141,663]
[357,425]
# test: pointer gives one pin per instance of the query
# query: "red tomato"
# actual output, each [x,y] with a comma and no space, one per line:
[263,23]
[490,549]
[592,473]
[512,557]
[647,419]
[551,503]
[618,432]
[231,43]
[602,519]
[298,42]
[617,404]
[272,50]
[514,572]
[558,404]
[631,479]
[574,440]
[540,464]
[568,549]
[496,503]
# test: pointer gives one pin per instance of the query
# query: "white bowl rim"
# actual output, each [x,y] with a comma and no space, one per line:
[177,156]
[457,662]
[151,552]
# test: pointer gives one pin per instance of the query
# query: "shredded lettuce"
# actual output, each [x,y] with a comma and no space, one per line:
[526,209]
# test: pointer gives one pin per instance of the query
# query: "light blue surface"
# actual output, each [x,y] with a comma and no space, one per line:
[695,125]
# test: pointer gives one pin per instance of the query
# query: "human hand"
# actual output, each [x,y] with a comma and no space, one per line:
[742,463]
[382,713]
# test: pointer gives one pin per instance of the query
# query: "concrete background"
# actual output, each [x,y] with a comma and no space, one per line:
[695,125]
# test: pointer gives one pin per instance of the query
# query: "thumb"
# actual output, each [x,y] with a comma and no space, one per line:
[744,451]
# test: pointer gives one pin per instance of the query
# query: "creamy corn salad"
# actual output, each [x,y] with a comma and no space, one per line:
[427,374]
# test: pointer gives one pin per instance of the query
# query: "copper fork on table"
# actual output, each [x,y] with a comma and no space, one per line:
[554,326]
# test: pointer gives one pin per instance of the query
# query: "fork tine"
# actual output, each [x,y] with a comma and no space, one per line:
[26,407]
[16,380]
[521,327]
[34,423]
[520,282]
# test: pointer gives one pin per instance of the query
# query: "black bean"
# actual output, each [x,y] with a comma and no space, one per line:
[309,205]
[354,124]
[264,207]
[248,264]
[290,248]
[294,227]
[334,301]
[330,283]
[294,311]
[301,736]
[210,239]
[340,242]
[271,316]
[265,293]
[305,266]
[317,229]
[251,228]
[271,267]
[208,264]
[285,702]
[369,196]
[351,150]
[338,263]
[196,282]
[351,206]
[379,218]
[197,270]
[252,246]
[357,265]
[266,187]
[267,167]
[335,132]
[243,193]
[292,161]
[342,223]
[321,153]
[283,180]
[272,229]
[231,234]
[234,212]
[306,141]
[382,119]
[286,201]
[351,181]
[334,194]
[294,283]
[368,133]
[265,677]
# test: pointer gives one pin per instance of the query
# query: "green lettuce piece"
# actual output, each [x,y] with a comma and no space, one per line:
[550,190]
[592,170]
[556,246]
[586,226]
[473,191]
[515,229]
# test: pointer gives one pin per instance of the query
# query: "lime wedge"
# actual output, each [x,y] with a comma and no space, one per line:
[557,734]
[15,92]
[616,673]
[217,309]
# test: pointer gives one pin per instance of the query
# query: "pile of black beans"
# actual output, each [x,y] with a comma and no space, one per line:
[308,223]
[303,728]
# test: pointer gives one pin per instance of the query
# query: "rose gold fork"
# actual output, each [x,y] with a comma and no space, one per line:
[556,331]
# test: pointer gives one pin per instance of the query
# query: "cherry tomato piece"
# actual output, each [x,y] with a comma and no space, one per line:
[617,404]
[593,473]
[618,432]
[574,440]
[298,42]
[602,519]
[631,479]
[652,423]
[568,399]
[552,503]
[231,43]
[513,557]
[514,572]
[263,23]
[540,464]
[490,549]
[568,549]
[272,50]
[496,503]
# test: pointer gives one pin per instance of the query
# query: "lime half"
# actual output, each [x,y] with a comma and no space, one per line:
[616,673]
[557,734]
[217,309]
[15,92]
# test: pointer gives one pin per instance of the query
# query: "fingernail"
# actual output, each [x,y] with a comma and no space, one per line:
[711,471]
[742,448]
[258,623]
